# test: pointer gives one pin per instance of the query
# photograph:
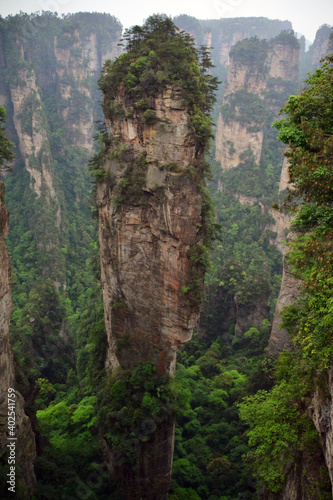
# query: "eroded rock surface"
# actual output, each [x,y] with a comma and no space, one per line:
[150,216]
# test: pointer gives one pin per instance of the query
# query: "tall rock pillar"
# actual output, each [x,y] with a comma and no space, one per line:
[154,220]
[150,216]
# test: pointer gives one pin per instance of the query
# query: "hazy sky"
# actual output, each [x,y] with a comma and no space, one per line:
[306,15]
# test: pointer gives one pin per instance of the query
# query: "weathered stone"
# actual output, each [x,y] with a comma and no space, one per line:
[279,338]
[150,216]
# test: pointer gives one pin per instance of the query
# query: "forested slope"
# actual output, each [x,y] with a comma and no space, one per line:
[49,88]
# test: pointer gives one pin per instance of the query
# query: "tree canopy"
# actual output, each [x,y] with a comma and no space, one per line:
[159,55]
[6,154]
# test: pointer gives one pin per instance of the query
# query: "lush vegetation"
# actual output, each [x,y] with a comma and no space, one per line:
[58,328]
[251,52]
[307,128]
[158,56]
[57,300]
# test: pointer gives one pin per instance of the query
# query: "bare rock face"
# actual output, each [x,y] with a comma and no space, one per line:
[302,479]
[151,237]
[76,64]
[150,214]
[279,339]
[232,139]
[247,317]
[33,139]
[25,450]
[321,45]
[257,81]
[283,62]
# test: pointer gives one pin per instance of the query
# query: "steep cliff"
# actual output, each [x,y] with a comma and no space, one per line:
[260,77]
[320,410]
[155,220]
[262,74]
[49,83]
[49,87]
[279,338]
[150,214]
[24,451]
[304,374]
[223,34]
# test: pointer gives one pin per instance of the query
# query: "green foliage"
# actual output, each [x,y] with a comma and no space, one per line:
[6,146]
[159,56]
[308,129]
[209,435]
[286,37]
[73,450]
[273,422]
[251,52]
[280,430]
[41,319]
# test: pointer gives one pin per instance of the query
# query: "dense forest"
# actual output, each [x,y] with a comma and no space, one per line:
[246,423]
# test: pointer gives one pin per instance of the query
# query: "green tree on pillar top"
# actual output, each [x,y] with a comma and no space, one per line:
[159,55]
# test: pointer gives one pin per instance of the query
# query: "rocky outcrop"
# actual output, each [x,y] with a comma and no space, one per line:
[260,74]
[321,45]
[247,317]
[78,62]
[277,66]
[283,61]
[48,85]
[151,235]
[279,338]
[31,129]
[223,33]
[232,139]
[24,449]
[150,213]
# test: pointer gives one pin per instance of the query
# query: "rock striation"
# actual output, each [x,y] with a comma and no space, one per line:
[150,217]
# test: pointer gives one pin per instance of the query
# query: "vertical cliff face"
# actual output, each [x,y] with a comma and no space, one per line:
[223,34]
[79,57]
[321,45]
[261,76]
[262,69]
[321,412]
[154,221]
[48,85]
[25,450]
[279,338]
[318,401]
[150,214]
